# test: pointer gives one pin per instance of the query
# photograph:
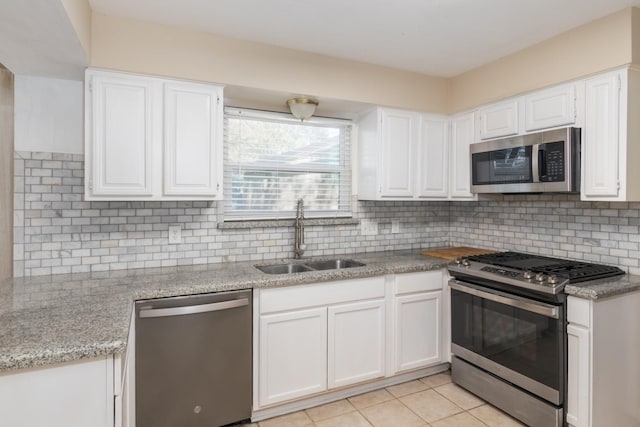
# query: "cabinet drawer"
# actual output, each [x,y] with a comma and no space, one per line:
[317,294]
[579,311]
[419,282]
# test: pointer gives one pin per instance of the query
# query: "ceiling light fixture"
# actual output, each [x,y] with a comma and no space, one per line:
[302,108]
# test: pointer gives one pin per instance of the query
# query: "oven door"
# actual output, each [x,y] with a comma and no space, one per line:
[517,339]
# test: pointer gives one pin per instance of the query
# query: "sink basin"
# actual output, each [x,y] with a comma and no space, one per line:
[283,268]
[334,264]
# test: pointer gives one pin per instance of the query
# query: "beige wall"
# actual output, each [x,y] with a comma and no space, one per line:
[6,173]
[635,36]
[136,46]
[602,44]
[79,13]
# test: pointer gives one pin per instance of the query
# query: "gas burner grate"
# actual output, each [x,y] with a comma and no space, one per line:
[575,271]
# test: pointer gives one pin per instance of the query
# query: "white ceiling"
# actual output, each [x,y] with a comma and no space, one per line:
[435,37]
[36,38]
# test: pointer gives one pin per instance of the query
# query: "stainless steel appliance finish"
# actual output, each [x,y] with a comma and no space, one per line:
[539,162]
[193,360]
[509,330]
[521,405]
[298,241]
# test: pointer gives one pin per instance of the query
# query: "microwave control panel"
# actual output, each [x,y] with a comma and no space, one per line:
[551,162]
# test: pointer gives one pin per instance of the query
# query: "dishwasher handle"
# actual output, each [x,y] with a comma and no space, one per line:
[192,309]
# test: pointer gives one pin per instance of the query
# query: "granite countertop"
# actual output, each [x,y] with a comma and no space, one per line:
[53,319]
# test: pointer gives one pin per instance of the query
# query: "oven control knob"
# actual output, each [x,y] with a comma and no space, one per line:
[466,262]
[458,261]
[540,277]
[528,274]
[553,279]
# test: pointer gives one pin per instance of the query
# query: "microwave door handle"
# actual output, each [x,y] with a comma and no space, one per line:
[535,171]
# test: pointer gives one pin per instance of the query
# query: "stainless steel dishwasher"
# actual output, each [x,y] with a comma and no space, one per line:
[193,360]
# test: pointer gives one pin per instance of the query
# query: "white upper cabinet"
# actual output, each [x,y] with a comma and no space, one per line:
[399,131]
[404,155]
[497,120]
[462,133]
[600,139]
[550,108]
[433,156]
[192,121]
[610,153]
[121,130]
[151,139]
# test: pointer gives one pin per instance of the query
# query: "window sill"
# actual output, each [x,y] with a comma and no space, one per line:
[285,223]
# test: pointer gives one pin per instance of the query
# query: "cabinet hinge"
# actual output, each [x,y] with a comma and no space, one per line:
[90,184]
[91,85]
[618,184]
[619,83]
[218,100]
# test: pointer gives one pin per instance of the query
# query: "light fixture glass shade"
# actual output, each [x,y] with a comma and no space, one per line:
[302,108]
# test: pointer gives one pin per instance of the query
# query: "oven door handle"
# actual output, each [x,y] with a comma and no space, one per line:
[546,310]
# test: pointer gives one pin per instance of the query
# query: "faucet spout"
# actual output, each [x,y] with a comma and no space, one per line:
[298,244]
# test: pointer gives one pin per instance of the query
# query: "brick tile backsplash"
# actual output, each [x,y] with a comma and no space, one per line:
[56,231]
[554,225]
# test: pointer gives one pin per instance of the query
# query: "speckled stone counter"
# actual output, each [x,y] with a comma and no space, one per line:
[60,318]
[604,288]
[52,319]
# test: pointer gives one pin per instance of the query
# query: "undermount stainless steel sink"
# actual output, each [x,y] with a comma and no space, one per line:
[334,264]
[283,268]
[331,264]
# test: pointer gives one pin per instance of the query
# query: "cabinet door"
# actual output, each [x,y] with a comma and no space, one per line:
[578,376]
[432,152]
[417,330]
[549,108]
[398,139]
[356,342]
[74,394]
[600,137]
[192,140]
[121,134]
[498,120]
[293,355]
[460,164]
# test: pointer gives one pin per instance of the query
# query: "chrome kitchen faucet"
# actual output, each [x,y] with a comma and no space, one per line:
[298,244]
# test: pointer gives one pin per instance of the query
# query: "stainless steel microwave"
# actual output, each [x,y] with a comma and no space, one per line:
[539,162]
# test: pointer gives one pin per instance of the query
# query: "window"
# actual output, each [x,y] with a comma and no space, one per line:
[271,160]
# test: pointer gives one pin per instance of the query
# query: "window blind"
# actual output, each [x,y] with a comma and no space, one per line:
[271,160]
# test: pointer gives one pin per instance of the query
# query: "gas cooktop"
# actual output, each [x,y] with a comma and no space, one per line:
[534,272]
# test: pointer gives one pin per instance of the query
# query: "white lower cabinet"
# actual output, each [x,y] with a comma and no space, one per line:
[293,355]
[73,394]
[417,320]
[324,338]
[318,336]
[356,342]
[603,352]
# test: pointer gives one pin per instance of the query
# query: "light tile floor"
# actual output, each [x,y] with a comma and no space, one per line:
[431,401]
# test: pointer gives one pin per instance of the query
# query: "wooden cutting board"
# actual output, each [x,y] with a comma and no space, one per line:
[456,252]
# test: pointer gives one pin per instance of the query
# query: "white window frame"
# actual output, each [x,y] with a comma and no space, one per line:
[345,168]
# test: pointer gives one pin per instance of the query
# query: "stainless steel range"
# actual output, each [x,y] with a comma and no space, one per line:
[509,330]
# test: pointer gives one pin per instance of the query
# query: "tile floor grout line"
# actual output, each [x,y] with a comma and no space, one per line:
[339,418]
